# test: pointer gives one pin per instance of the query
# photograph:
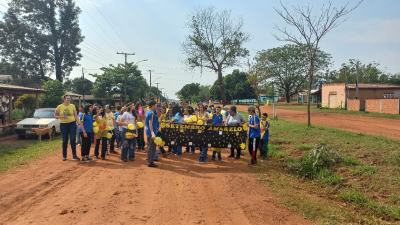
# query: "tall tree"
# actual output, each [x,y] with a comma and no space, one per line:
[215,42]
[42,34]
[186,93]
[368,73]
[288,66]
[312,29]
[52,98]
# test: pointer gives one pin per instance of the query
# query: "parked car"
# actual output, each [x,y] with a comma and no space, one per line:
[216,102]
[39,118]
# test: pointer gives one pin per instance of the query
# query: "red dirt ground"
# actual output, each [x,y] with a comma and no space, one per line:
[180,191]
[359,124]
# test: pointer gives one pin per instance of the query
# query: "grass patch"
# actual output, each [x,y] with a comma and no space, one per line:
[23,155]
[342,111]
[367,164]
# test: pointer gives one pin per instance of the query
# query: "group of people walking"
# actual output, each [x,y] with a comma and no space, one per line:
[127,125]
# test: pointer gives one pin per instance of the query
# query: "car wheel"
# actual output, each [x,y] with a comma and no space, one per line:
[21,136]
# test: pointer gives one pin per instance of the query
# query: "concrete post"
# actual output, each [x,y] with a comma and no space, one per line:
[10,108]
[37,101]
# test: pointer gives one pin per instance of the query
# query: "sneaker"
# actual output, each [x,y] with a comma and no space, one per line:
[212,159]
[231,156]
[79,144]
[131,159]
[64,158]
[202,162]
[96,156]
[219,160]
[76,158]
[237,157]
[143,150]
[124,160]
[153,165]
[166,154]
[84,159]
[103,158]
[89,159]
[113,152]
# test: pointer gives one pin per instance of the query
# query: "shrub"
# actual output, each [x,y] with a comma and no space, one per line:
[18,114]
[312,163]
[26,101]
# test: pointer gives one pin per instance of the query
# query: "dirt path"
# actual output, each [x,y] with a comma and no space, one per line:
[180,191]
[360,124]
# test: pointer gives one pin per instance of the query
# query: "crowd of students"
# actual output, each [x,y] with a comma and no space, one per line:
[126,126]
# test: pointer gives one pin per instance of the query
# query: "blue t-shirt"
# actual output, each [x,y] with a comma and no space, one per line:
[217,119]
[87,123]
[116,116]
[227,114]
[151,117]
[156,118]
[266,128]
[254,133]
[178,118]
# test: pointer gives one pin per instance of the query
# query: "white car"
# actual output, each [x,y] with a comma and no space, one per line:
[39,118]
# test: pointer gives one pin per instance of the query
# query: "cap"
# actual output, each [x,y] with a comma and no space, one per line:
[226,107]
[3,103]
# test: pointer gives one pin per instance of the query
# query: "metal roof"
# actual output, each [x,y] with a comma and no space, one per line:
[373,86]
[7,88]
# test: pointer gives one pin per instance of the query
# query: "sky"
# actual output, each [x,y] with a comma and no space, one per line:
[154,30]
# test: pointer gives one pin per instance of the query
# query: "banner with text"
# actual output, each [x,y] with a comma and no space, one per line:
[203,136]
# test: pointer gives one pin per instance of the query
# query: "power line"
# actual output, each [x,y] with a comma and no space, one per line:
[99,50]
[105,57]
[93,54]
[111,26]
[99,34]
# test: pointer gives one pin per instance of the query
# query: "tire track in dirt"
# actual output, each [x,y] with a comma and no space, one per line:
[180,191]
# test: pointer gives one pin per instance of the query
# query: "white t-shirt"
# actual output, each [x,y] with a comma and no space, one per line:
[119,120]
[128,118]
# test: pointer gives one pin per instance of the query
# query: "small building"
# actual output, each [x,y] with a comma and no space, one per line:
[302,97]
[270,98]
[335,95]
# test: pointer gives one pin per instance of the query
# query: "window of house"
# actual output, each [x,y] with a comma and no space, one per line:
[388,95]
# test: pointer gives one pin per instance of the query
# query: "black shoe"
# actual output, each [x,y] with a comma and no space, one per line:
[76,158]
[212,159]
[64,158]
[238,157]
[153,165]
[96,156]
[132,159]
[89,159]
[84,159]
[103,158]
[124,160]
[166,154]
[113,152]
[231,156]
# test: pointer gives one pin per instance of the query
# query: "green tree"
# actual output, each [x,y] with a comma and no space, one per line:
[52,98]
[41,34]
[288,66]
[215,42]
[187,91]
[26,101]
[77,85]
[368,73]
[204,93]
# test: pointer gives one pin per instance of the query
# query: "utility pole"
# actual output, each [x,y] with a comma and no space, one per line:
[150,83]
[157,88]
[126,75]
[357,79]
[83,77]
[161,94]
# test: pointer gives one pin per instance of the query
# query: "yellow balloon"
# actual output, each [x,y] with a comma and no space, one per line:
[140,124]
[189,120]
[200,122]
[131,126]
[95,129]
[109,135]
[94,124]
[162,143]
[158,140]
[194,118]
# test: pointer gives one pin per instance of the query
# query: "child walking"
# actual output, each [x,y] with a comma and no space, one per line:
[128,144]
[254,134]
[85,132]
[264,136]
[99,116]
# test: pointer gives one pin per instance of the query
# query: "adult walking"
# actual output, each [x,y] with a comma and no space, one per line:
[234,119]
[99,116]
[140,115]
[66,112]
[80,112]
[128,144]
[151,130]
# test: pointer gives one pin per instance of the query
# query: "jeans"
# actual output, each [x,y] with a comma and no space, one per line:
[118,137]
[151,150]
[214,153]
[86,143]
[203,154]
[177,150]
[128,145]
[140,138]
[191,148]
[68,129]
[78,136]
[112,142]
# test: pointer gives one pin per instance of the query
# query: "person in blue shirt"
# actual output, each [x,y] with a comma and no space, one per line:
[116,130]
[177,118]
[151,130]
[217,117]
[157,113]
[254,133]
[86,131]
[264,136]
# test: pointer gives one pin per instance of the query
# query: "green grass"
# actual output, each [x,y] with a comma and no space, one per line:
[368,165]
[341,111]
[10,158]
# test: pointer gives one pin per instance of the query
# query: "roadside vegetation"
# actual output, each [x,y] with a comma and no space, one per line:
[333,176]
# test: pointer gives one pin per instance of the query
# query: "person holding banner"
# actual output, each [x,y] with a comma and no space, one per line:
[203,154]
[176,111]
[254,134]
[187,119]
[151,130]
[234,119]
[202,114]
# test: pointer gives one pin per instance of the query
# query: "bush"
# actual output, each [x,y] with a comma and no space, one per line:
[18,114]
[26,101]
[313,162]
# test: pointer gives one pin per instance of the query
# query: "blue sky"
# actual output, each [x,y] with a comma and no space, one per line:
[154,29]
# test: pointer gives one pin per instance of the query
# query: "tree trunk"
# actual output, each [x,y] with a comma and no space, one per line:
[221,86]
[287,95]
[311,73]
[258,106]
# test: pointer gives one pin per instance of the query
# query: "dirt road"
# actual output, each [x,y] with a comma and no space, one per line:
[180,191]
[360,124]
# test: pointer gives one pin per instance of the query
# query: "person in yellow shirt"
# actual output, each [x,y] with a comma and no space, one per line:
[110,121]
[66,112]
[100,118]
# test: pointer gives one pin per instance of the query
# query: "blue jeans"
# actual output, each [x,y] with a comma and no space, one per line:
[68,129]
[203,155]
[214,153]
[177,150]
[128,145]
[78,136]
[189,147]
[117,137]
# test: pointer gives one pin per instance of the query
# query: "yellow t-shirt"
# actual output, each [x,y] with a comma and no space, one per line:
[110,120]
[68,110]
[163,117]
